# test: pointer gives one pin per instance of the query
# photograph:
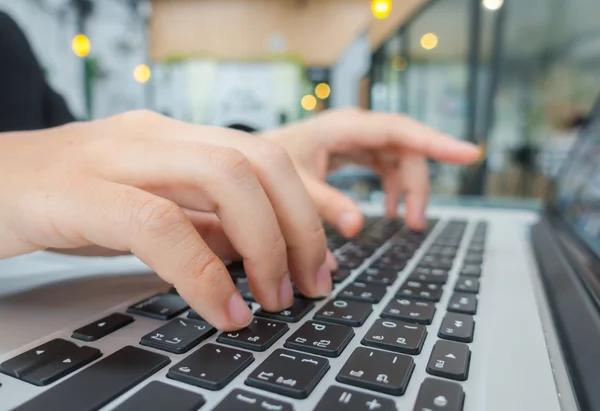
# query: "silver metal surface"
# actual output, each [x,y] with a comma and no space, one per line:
[510,365]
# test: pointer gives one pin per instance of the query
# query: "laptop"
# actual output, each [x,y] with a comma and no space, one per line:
[486,310]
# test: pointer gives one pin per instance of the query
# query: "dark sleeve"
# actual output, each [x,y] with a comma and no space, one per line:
[18,56]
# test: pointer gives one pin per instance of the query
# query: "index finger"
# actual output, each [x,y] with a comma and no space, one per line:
[376,130]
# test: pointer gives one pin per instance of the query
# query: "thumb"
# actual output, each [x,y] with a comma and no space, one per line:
[334,207]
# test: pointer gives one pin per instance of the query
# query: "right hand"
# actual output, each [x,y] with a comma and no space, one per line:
[169,192]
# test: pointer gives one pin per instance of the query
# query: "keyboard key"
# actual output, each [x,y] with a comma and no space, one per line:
[467,285]
[158,396]
[377,370]
[358,291]
[343,399]
[36,357]
[102,327]
[471,270]
[378,276]
[343,312]
[387,262]
[244,289]
[420,291]
[61,365]
[439,395]
[293,314]
[340,275]
[298,294]
[178,336]
[429,275]
[457,327]
[437,262]
[100,383]
[396,336]
[258,336]
[476,248]
[320,338]
[289,373]
[160,306]
[473,258]
[49,362]
[450,359]
[242,400]
[463,303]
[211,366]
[410,310]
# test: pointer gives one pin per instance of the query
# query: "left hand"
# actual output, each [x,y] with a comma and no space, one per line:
[394,146]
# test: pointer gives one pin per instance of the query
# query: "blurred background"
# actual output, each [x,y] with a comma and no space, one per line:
[517,77]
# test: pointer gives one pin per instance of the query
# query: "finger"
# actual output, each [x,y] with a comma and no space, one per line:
[211,230]
[392,186]
[415,183]
[159,233]
[296,214]
[332,263]
[219,180]
[334,207]
[376,130]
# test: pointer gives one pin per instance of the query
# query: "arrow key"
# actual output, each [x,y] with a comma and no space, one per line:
[457,327]
[101,328]
[439,395]
[449,359]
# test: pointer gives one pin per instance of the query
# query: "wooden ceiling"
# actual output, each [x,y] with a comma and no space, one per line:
[315,31]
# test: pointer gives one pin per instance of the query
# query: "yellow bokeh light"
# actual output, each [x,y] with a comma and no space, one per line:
[399,63]
[381,8]
[81,45]
[322,91]
[429,41]
[309,102]
[142,73]
[492,4]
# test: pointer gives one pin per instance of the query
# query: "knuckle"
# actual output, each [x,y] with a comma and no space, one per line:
[159,215]
[274,156]
[207,266]
[234,163]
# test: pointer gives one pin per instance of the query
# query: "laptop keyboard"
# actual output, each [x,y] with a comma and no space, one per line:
[376,322]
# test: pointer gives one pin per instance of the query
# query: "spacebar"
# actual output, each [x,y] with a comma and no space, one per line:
[100,383]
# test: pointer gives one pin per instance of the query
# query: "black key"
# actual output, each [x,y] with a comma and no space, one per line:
[463,303]
[258,336]
[340,275]
[293,314]
[439,395]
[36,357]
[100,383]
[298,294]
[396,336]
[102,327]
[377,370]
[160,306]
[362,292]
[457,327]
[62,365]
[242,400]
[211,366]
[467,285]
[343,399]
[429,275]
[349,263]
[173,290]
[472,258]
[410,310]
[471,270]
[49,362]
[244,289]
[439,263]
[158,396]
[378,276]
[350,313]
[389,263]
[420,291]
[476,247]
[450,359]
[320,338]
[289,373]
[178,336]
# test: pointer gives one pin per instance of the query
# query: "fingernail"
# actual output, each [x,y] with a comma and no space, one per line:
[324,280]
[346,221]
[239,312]
[286,293]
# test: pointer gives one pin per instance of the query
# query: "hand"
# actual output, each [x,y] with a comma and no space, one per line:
[169,192]
[394,146]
